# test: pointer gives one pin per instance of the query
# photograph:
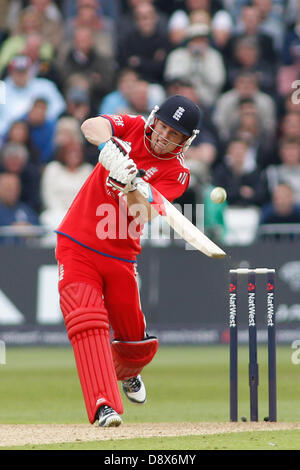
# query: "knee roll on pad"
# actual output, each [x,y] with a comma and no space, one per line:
[130,357]
[87,325]
[82,308]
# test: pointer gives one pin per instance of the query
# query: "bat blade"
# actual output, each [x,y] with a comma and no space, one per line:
[180,224]
[190,233]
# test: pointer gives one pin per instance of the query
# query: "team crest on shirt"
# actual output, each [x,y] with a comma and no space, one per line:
[150,173]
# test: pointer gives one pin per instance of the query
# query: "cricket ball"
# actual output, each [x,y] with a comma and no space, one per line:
[218,195]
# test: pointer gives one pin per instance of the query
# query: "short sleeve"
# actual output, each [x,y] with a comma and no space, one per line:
[121,122]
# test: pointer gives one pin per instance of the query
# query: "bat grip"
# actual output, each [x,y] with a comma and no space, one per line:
[141,173]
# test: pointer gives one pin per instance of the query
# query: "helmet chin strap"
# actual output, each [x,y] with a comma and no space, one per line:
[150,122]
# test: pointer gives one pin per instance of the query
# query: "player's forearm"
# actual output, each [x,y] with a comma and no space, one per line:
[140,207]
[96,130]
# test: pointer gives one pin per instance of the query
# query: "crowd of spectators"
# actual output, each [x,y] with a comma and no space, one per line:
[63,61]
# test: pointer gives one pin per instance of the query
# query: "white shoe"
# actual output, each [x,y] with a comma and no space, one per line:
[134,389]
[108,417]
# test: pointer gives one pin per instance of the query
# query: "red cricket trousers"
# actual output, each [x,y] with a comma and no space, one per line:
[97,293]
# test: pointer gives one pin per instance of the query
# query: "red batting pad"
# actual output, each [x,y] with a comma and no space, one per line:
[88,330]
[131,356]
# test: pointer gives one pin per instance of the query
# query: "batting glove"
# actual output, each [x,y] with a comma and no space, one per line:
[114,150]
[123,174]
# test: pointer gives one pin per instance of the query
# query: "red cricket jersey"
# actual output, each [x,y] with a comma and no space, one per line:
[95,219]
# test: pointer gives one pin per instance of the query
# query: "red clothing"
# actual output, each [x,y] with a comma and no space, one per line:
[86,219]
[110,277]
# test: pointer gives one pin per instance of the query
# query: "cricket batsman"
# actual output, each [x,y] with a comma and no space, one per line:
[97,246]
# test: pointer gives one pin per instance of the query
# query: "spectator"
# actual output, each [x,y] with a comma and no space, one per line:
[221,31]
[289,126]
[211,6]
[42,62]
[249,27]
[67,131]
[288,171]
[13,212]
[227,106]
[101,27]
[145,47]
[19,134]
[244,188]
[30,21]
[180,20]
[200,17]
[117,102]
[79,108]
[83,58]
[287,77]
[105,8]
[271,23]
[52,21]
[41,131]
[48,9]
[138,99]
[61,180]
[14,159]
[78,104]
[111,9]
[177,27]
[126,21]
[291,12]
[247,58]
[261,146]
[282,209]
[200,62]
[21,91]
[290,66]
[290,103]
[77,80]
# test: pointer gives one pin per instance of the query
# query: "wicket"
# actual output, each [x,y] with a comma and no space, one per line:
[252,332]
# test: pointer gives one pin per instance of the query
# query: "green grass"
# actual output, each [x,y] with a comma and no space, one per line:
[40,385]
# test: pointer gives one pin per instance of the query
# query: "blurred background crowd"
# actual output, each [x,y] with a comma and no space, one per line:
[64,61]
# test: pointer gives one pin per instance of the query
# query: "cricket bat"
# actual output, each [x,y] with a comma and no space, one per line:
[179,223]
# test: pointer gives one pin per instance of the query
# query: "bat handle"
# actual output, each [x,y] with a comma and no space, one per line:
[141,173]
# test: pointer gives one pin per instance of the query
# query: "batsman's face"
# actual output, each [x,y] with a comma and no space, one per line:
[165,139]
